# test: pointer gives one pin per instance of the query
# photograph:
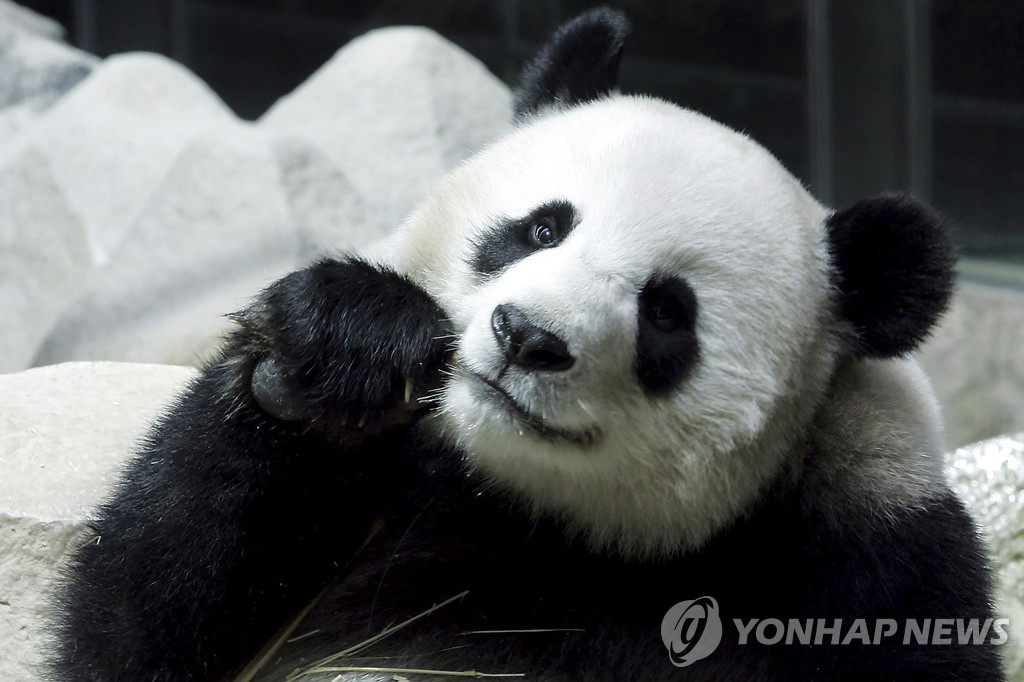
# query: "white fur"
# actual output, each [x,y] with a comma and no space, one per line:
[878,440]
[657,189]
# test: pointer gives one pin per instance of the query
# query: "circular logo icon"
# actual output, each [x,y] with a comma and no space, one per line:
[691,630]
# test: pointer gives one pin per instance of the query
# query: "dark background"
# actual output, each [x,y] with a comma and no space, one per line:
[854,96]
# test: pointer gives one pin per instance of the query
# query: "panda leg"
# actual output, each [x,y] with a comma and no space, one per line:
[258,483]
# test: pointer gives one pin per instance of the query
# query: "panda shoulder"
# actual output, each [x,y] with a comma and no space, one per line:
[878,442]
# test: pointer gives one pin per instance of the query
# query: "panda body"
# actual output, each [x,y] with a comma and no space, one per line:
[618,360]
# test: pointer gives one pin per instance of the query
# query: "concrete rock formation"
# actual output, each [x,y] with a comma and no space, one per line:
[44,257]
[976,362]
[27,21]
[393,110]
[64,430]
[139,210]
[37,67]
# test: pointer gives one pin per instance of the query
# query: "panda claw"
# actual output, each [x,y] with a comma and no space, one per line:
[362,421]
[408,390]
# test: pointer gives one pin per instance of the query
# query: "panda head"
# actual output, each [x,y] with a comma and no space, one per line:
[650,309]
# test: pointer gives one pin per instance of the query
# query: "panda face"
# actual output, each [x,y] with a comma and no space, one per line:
[642,302]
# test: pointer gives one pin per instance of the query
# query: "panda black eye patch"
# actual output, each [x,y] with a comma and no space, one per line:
[512,239]
[666,336]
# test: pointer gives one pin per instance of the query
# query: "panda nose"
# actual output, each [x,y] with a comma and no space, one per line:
[527,345]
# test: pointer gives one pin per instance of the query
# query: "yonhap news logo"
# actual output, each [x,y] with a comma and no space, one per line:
[692,630]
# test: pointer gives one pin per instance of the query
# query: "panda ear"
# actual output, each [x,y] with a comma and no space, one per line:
[579,63]
[894,270]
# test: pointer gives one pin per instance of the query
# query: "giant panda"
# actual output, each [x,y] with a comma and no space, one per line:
[620,387]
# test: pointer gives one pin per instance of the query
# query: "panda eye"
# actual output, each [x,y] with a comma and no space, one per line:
[513,239]
[668,305]
[664,314]
[543,234]
[666,337]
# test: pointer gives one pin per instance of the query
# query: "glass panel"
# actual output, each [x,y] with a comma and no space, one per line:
[978,77]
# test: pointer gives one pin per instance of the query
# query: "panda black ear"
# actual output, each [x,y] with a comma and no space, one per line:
[579,63]
[894,261]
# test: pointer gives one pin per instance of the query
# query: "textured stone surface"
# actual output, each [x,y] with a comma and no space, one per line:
[199,249]
[990,477]
[43,257]
[111,140]
[393,110]
[185,212]
[25,20]
[35,67]
[976,363]
[329,213]
[64,431]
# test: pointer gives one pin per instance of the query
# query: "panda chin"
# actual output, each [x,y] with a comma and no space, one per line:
[494,395]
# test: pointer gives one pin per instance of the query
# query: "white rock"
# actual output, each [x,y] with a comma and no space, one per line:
[976,363]
[989,477]
[25,20]
[44,258]
[186,212]
[64,431]
[217,230]
[34,70]
[393,110]
[330,215]
[111,140]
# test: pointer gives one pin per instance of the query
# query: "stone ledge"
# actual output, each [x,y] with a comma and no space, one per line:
[64,431]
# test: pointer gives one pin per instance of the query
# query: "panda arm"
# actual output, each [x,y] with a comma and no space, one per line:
[230,519]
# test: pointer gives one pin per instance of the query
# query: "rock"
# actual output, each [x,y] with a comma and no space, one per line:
[989,476]
[64,431]
[330,215]
[185,212]
[111,140]
[235,212]
[26,21]
[216,231]
[393,110]
[75,182]
[43,257]
[35,69]
[975,360]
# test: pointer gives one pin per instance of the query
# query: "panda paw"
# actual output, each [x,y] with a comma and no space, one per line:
[345,348]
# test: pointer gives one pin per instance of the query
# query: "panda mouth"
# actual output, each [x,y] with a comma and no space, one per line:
[582,438]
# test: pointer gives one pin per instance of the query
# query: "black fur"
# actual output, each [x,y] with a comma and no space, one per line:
[580,63]
[666,334]
[343,313]
[513,239]
[894,261]
[229,519]
[602,613]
